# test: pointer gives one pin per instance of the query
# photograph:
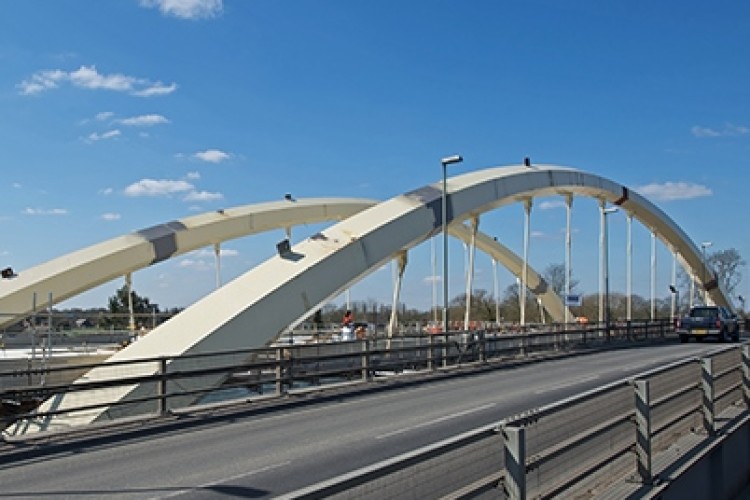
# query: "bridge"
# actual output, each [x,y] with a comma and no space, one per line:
[254,309]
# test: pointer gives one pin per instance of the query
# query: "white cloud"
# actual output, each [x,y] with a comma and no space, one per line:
[107,191]
[205,253]
[729,130]
[196,265]
[549,205]
[109,216]
[110,134]
[87,77]
[144,120]
[104,116]
[203,196]
[156,88]
[212,156]
[187,9]
[43,211]
[193,175]
[153,187]
[670,191]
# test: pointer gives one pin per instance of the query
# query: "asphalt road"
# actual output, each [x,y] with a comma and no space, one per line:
[265,451]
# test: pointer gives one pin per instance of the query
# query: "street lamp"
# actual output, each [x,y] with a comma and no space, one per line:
[607,318]
[705,245]
[449,160]
[676,293]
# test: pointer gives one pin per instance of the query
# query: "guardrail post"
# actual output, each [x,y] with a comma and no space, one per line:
[746,374]
[707,384]
[445,350]
[643,430]
[430,352]
[365,360]
[162,388]
[279,371]
[514,446]
[483,346]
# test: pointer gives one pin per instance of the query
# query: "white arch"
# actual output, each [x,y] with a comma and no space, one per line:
[76,272]
[254,308]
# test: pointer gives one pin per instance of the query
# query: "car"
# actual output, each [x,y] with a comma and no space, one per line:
[709,321]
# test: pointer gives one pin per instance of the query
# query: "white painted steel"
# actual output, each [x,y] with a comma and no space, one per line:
[255,308]
[76,272]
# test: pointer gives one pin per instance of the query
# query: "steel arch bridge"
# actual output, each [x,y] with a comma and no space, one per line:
[255,308]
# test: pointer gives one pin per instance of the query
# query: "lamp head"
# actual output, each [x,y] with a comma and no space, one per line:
[448,160]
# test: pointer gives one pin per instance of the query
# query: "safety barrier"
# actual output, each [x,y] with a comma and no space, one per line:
[623,440]
[170,385]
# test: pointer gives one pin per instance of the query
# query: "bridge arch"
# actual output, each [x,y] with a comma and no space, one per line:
[254,308]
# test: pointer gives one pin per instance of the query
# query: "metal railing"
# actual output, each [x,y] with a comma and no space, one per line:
[171,384]
[623,435]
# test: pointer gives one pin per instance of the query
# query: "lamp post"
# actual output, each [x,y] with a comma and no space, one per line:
[607,317]
[676,294]
[705,245]
[449,160]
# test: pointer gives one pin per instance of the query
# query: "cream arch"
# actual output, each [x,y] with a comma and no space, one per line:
[254,308]
[76,272]
[82,270]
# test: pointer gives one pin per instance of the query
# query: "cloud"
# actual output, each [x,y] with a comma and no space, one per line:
[106,191]
[203,196]
[187,9]
[144,120]
[193,175]
[549,205]
[104,116]
[109,216]
[729,130]
[42,211]
[204,253]
[87,77]
[152,187]
[211,156]
[16,185]
[95,136]
[670,191]
[196,265]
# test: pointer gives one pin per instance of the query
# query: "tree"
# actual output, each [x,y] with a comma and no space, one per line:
[119,309]
[727,264]
[554,275]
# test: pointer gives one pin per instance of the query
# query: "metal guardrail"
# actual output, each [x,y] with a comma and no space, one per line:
[627,432]
[177,384]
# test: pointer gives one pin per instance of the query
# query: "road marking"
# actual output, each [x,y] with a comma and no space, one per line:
[435,421]
[548,388]
[224,480]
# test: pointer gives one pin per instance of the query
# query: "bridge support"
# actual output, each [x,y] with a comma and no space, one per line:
[525,272]
[470,270]
[401,261]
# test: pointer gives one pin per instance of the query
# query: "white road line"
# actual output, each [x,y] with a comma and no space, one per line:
[548,388]
[224,480]
[435,421]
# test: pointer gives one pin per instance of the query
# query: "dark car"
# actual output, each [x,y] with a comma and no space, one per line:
[709,321]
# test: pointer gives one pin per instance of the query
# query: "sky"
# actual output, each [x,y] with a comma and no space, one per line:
[120,115]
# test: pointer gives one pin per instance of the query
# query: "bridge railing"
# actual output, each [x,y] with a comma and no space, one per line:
[627,430]
[168,385]
[616,441]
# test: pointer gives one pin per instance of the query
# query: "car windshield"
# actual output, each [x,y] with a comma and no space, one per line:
[704,312]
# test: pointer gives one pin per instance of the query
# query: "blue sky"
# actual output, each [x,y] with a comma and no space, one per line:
[123,114]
